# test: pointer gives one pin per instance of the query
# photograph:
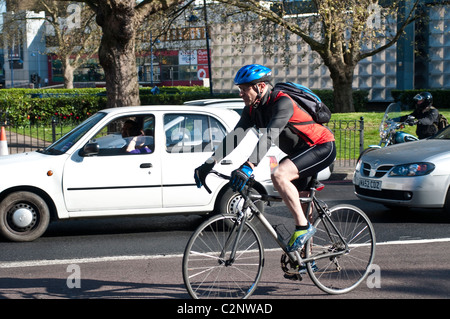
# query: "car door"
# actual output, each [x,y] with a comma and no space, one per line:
[190,140]
[114,179]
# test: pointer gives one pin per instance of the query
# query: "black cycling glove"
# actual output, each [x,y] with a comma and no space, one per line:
[240,177]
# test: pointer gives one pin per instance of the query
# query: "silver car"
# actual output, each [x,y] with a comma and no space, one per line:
[413,174]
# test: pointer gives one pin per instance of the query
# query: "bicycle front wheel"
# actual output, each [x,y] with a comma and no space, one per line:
[351,243]
[208,271]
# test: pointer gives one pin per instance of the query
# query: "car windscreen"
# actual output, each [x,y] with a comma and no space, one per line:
[66,142]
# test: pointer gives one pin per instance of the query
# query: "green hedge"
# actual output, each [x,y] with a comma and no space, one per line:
[22,109]
[360,98]
[441,98]
[27,106]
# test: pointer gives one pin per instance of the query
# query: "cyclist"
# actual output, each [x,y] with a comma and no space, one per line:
[309,146]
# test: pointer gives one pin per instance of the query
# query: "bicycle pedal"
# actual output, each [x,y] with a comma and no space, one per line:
[293,277]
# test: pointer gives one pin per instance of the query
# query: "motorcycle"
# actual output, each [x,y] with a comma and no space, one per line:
[390,129]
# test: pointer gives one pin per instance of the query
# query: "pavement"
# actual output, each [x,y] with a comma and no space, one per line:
[342,174]
[21,143]
[342,171]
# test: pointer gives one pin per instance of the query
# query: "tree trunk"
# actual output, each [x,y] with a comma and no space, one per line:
[117,53]
[67,72]
[342,86]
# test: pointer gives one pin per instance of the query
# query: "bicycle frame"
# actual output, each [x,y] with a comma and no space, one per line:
[227,248]
[295,257]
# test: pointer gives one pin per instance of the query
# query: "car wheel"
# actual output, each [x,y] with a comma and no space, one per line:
[447,201]
[230,202]
[24,216]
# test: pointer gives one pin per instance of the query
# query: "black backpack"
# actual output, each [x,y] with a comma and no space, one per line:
[307,100]
[442,122]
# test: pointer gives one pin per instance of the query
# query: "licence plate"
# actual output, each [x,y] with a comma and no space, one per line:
[370,184]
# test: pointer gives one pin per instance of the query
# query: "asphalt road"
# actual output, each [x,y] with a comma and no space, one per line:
[141,258]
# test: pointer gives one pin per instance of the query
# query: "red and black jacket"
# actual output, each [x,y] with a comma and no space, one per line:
[283,123]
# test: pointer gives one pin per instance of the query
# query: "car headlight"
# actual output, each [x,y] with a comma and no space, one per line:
[413,169]
[358,165]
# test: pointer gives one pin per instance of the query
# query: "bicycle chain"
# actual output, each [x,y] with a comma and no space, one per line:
[290,270]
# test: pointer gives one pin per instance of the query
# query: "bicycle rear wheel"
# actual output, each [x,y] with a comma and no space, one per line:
[344,272]
[207,269]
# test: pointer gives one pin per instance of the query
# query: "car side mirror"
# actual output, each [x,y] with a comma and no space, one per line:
[90,149]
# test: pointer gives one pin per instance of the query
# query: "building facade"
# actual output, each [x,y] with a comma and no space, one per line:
[419,60]
[25,60]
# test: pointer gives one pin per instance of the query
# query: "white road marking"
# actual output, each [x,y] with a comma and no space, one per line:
[39,263]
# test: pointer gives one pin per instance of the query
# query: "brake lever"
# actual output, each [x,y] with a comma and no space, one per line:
[207,188]
[203,182]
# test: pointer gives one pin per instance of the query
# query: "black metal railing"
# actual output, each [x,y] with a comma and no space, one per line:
[349,137]
[26,138]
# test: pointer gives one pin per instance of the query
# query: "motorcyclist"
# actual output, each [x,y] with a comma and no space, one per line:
[425,114]
[309,146]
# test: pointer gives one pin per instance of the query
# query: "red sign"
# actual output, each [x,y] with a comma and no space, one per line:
[202,56]
[202,72]
[166,52]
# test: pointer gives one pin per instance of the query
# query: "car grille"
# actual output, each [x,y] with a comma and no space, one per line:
[366,168]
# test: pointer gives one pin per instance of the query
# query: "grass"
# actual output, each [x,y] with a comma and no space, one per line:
[43,132]
[348,146]
[347,143]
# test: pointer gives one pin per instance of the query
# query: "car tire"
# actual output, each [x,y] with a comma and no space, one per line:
[231,201]
[24,216]
[447,201]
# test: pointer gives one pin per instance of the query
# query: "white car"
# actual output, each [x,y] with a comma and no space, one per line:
[88,172]
[237,105]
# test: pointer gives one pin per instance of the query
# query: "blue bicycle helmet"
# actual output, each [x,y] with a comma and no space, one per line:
[251,74]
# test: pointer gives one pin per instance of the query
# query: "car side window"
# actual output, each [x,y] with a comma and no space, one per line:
[126,135]
[189,133]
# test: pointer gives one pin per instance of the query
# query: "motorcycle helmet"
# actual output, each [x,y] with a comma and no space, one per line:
[423,100]
[252,74]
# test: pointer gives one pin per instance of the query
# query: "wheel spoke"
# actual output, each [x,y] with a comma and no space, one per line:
[344,272]
[208,271]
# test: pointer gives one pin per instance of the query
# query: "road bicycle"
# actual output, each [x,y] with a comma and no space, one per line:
[224,257]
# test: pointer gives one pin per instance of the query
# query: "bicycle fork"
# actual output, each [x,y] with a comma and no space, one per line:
[239,224]
[235,235]
[233,239]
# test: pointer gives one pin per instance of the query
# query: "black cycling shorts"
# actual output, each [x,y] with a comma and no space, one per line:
[312,159]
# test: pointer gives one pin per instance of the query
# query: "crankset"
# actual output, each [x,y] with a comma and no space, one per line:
[291,271]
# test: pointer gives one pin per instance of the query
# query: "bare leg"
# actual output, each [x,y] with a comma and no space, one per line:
[306,205]
[281,178]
